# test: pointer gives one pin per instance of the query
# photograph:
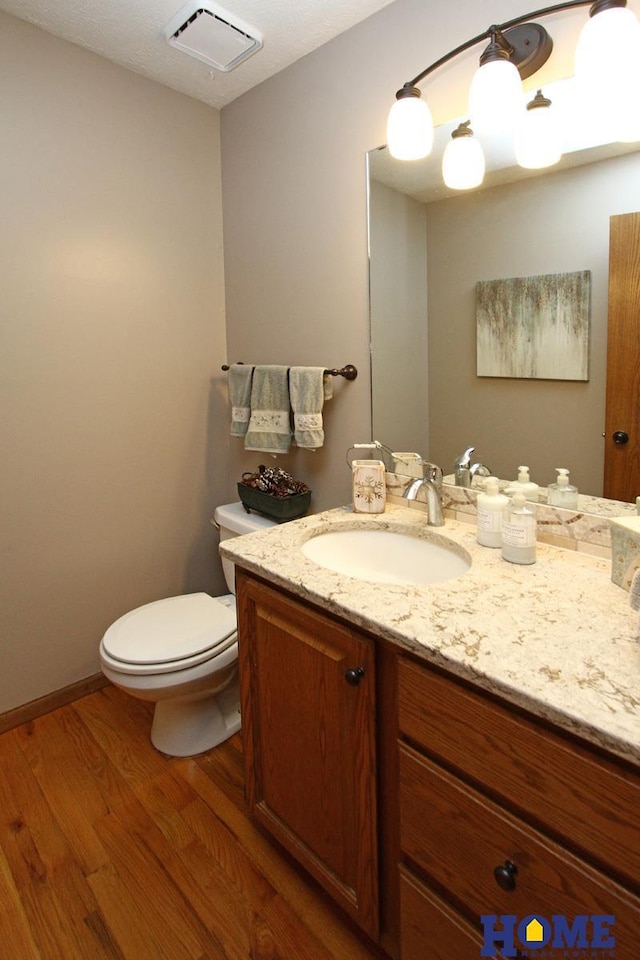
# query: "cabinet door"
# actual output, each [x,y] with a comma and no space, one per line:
[308,700]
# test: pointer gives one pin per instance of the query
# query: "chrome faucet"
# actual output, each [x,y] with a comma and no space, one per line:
[431,482]
[465,471]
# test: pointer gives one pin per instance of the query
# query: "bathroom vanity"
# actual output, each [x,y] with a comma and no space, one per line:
[433,754]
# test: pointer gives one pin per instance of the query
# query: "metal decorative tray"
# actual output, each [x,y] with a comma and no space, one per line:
[279,509]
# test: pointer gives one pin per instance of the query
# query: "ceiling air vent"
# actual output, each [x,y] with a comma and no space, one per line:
[210,33]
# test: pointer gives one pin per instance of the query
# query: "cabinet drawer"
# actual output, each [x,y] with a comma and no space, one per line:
[458,838]
[589,801]
[430,930]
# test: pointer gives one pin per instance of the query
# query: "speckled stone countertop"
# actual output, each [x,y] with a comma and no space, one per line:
[556,637]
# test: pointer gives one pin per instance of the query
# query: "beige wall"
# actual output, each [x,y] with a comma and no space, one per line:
[113,438]
[294,185]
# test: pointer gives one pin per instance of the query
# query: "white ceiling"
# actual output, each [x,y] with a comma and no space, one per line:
[131,33]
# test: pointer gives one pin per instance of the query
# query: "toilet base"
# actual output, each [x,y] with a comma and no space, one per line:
[187,726]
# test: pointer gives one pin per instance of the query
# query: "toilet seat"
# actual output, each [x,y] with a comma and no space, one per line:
[171,634]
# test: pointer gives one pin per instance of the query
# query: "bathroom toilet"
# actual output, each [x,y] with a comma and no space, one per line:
[182,654]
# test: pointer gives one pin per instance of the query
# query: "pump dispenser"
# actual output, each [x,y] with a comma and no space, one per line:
[562,493]
[524,485]
[519,531]
[491,505]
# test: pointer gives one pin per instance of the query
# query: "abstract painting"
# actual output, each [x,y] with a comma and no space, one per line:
[534,327]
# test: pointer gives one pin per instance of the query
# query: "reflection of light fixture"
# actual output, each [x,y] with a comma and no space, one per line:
[516,51]
[463,160]
[537,138]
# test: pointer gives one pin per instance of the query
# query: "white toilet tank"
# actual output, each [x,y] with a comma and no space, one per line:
[233,520]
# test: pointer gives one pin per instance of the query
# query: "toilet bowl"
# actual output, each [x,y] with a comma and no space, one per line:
[181,653]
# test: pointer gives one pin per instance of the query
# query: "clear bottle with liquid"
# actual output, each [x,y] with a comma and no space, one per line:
[491,505]
[562,493]
[519,532]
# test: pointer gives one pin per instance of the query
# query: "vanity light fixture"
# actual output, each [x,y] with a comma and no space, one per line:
[463,160]
[496,87]
[607,68]
[537,137]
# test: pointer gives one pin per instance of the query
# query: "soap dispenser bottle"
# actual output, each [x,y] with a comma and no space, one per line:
[562,493]
[524,485]
[519,531]
[491,505]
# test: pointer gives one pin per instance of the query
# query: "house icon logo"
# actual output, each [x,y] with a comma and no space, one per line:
[559,936]
[533,933]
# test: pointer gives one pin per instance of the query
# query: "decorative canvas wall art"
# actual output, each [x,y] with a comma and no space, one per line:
[534,327]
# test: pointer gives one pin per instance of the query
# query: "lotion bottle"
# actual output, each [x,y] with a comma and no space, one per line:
[491,505]
[524,485]
[562,493]
[519,532]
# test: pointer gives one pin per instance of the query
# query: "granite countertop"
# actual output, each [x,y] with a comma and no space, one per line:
[556,637]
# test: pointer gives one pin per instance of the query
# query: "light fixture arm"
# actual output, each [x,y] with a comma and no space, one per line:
[498,29]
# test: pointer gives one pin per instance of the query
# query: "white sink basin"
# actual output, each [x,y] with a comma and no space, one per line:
[387,556]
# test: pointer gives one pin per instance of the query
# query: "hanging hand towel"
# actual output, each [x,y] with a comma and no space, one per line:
[240,377]
[309,388]
[270,424]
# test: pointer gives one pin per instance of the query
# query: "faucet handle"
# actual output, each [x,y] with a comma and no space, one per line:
[432,472]
[464,460]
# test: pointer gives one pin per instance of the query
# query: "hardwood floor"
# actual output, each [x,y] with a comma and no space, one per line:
[110,850]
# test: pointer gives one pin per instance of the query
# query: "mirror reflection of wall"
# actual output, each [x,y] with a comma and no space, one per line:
[398,291]
[554,223]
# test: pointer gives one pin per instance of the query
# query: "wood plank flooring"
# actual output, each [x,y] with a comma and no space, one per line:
[110,850]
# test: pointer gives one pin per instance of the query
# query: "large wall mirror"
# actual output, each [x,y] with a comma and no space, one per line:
[428,248]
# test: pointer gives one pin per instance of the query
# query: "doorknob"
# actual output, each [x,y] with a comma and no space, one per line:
[620,438]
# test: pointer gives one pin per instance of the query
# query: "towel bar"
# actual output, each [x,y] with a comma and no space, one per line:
[349,372]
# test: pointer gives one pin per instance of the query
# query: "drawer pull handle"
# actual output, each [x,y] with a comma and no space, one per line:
[506,875]
[354,676]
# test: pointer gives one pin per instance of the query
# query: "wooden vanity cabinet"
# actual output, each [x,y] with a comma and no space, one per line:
[420,802]
[308,716]
[501,815]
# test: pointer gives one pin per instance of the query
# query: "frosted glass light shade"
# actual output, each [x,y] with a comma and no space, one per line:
[463,163]
[608,47]
[495,97]
[410,129]
[537,139]
[607,67]
[628,130]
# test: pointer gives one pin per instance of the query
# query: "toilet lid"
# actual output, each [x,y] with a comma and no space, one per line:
[172,629]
